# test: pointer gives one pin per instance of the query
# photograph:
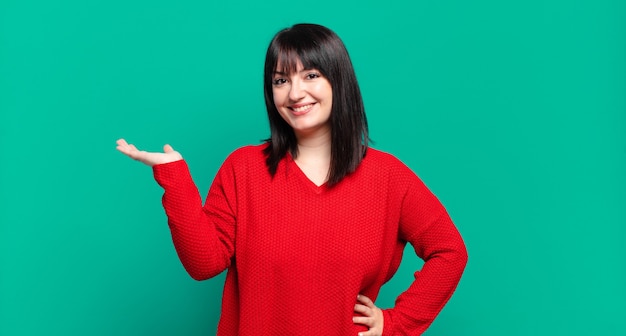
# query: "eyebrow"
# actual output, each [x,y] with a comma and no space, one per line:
[303,70]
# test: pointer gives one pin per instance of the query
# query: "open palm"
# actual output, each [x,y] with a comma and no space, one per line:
[148,158]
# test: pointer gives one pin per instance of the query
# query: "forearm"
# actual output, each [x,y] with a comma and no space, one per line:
[419,305]
[203,250]
[437,241]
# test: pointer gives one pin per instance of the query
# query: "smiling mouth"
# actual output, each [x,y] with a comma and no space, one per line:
[301,109]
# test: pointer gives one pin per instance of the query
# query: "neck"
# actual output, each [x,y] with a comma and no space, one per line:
[314,146]
[314,155]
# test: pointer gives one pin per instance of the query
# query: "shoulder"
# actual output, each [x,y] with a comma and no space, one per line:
[254,152]
[383,160]
[246,158]
[382,166]
[401,180]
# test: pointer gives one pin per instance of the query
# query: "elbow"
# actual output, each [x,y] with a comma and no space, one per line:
[200,275]
[196,274]
[463,253]
[461,257]
[455,257]
[204,270]
[200,265]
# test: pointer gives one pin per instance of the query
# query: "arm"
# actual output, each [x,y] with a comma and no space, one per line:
[426,225]
[203,235]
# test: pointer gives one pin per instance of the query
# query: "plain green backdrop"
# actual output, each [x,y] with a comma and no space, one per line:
[512,112]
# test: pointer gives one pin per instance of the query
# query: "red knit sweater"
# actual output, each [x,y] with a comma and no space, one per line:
[297,254]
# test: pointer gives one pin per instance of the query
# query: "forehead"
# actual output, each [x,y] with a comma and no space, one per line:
[288,68]
[290,62]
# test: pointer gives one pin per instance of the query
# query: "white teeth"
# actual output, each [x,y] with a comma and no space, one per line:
[302,108]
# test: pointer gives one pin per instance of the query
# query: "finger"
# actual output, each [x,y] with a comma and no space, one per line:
[121,144]
[365,310]
[167,148]
[365,300]
[364,320]
[371,332]
[124,149]
[127,149]
[131,151]
[139,155]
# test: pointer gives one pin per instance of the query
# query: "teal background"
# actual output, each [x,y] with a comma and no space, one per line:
[512,112]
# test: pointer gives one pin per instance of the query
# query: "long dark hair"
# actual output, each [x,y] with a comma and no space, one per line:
[317,47]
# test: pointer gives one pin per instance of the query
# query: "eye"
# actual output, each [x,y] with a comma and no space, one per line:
[313,75]
[278,81]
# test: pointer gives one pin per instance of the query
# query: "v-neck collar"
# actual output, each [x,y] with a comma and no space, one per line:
[300,175]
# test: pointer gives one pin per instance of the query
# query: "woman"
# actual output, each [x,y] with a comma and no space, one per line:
[313,222]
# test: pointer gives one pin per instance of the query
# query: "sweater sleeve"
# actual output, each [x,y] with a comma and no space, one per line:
[425,224]
[203,236]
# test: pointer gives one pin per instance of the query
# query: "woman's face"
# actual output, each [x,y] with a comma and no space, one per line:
[304,99]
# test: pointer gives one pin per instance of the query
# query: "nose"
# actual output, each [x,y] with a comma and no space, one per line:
[296,90]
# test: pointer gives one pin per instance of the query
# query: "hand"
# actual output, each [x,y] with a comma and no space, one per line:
[372,316]
[148,158]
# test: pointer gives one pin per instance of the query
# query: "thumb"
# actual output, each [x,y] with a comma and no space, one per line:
[168,149]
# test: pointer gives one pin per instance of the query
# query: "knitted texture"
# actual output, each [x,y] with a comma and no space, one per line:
[297,254]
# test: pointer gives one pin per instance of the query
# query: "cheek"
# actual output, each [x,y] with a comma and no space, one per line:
[279,97]
[279,102]
[324,91]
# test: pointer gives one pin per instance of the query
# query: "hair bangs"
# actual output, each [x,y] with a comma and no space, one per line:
[295,50]
[287,62]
